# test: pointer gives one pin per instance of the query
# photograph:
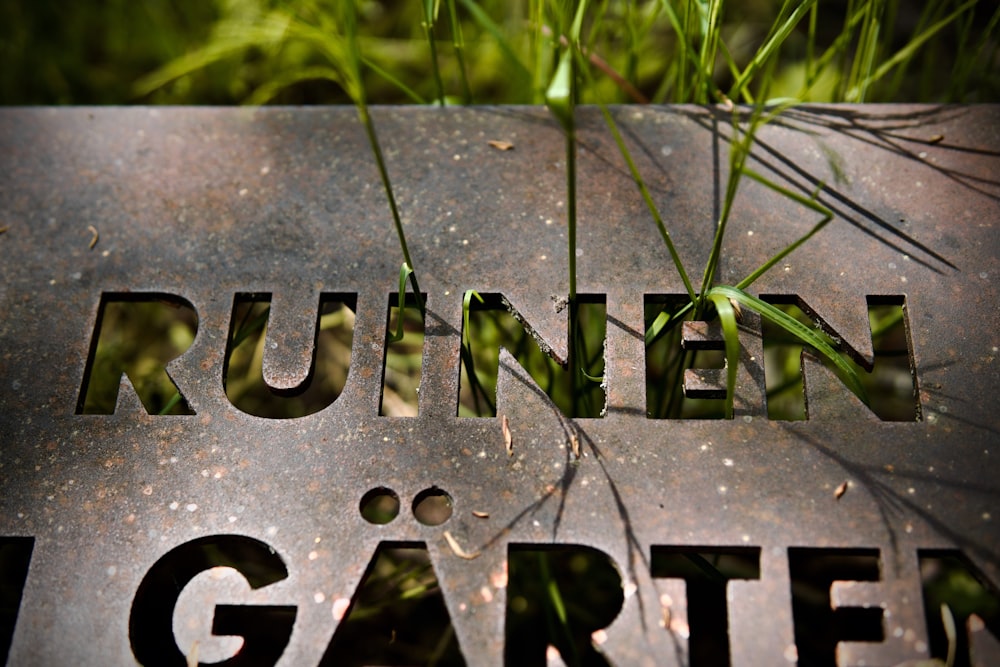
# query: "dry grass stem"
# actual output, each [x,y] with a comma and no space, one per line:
[457,548]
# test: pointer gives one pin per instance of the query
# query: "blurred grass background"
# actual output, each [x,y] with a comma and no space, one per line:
[103,52]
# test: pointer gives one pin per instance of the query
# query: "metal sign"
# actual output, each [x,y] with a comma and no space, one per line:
[131,536]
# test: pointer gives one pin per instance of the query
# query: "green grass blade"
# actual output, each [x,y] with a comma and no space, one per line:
[882,326]
[811,42]
[734,71]
[867,44]
[731,334]
[169,405]
[738,150]
[518,72]
[690,56]
[349,57]
[648,199]
[810,203]
[960,86]
[469,359]
[559,94]
[577,27]
[338,50]
[394,80]
[352,68]
[800,331]
[229,40]
[856,93]
[458,44]
[268,90]
[664,322]
[556,616]
[430,18]
[250,328]
[770,48]
[559,97]
[711,29]
[932,11]
[376,147]
[837,48]
[466,307]
[404,272]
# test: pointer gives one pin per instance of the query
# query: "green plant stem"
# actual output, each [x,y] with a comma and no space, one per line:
[675,399]
[810,203]
[556,609]
[576,360]
[709,52]
[858,91]
[169,405]
[727,316]
[561,101]
[648,199]
[354,84]
[458,43]
[394,80]
[737,158]
[800,331]
[366,120]
[770,47]
[811,43]
[519,72]
[468,357]
[429,19]
[404,272]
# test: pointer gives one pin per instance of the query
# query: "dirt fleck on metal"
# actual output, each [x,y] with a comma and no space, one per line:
[508,439]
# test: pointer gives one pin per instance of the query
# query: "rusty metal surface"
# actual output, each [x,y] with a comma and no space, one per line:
[208,203]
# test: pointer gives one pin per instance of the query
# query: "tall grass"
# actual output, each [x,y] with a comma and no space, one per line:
[664,51]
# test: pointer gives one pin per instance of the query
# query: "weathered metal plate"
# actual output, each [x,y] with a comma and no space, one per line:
[209,203]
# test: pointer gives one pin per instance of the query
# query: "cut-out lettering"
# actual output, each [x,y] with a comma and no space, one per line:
[137,335]
[403,361]
[559,596]
[397,616]
[15,557]
[494,323]
[819,625]
[248,345]
[706,572]
[685,380]
[668,356]
[950,579]
[266,629]
[890,382]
